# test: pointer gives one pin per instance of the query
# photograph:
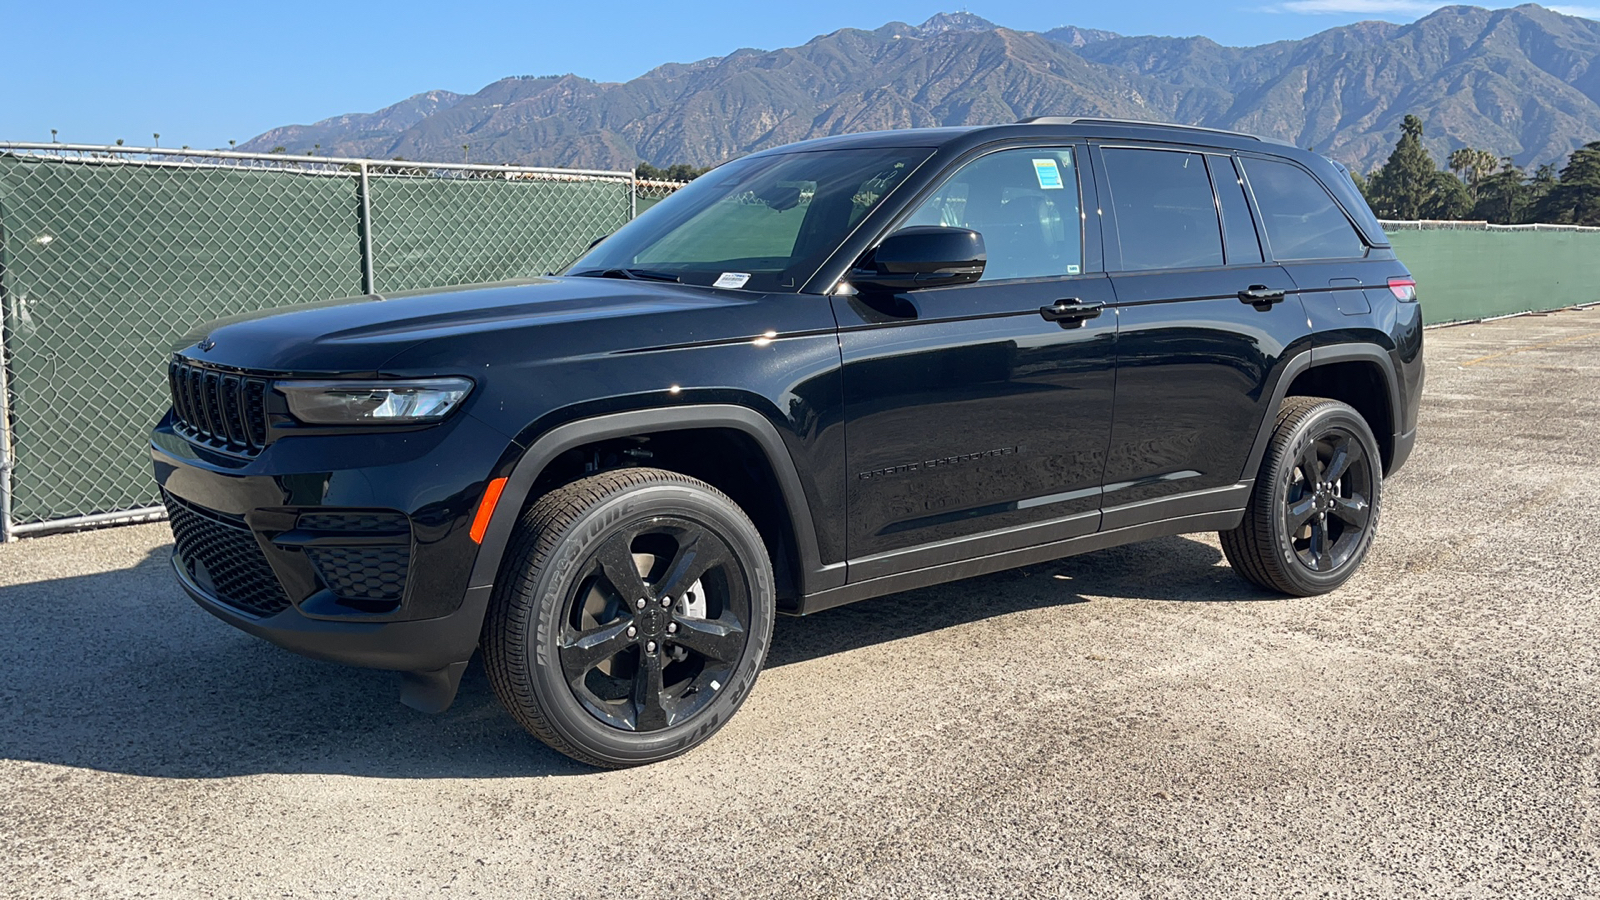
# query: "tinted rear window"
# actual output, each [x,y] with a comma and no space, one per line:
[1301,219]
[1166,213]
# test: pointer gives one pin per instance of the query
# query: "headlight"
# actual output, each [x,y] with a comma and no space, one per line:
[374,402]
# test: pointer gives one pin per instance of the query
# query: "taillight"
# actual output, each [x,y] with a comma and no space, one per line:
[1404,289]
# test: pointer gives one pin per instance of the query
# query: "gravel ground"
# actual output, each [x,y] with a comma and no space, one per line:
[1136,722]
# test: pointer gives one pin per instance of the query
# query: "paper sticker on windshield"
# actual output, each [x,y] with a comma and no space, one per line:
[732,280]
[1072,269]
[1049,175]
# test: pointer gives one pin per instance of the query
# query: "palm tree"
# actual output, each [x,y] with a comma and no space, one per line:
[158,138]
[466,150]
[53,137]
[1473,166]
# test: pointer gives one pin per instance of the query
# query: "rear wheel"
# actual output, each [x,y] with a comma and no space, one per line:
[632,617]
[1314,509]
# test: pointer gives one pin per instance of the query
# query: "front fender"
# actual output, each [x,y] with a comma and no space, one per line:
[814,576]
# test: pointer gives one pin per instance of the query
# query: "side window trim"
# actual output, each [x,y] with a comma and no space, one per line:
[1255,210]
[1222,164]
[1089,252]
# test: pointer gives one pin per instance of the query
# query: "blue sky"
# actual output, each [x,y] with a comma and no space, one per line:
[203,73]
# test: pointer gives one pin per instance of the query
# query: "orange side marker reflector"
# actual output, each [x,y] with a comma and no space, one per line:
[491,496]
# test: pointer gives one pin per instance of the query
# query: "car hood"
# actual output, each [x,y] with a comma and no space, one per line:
[361,334]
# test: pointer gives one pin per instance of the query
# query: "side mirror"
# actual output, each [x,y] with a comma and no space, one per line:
[922,256]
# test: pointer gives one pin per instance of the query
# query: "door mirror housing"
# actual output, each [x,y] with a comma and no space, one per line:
[922,256]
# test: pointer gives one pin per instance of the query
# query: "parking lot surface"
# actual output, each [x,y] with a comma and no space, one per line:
[1134,722]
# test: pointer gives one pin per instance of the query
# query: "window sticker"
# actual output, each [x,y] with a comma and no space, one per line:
[1073,269]
[1049,175]
[732,280]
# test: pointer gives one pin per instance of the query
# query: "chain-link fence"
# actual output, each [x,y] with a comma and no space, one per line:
[110,257]
[649,193]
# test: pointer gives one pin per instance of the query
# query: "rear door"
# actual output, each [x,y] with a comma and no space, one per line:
[1205,325]
[1309,235]
[1343,282]
[975,424]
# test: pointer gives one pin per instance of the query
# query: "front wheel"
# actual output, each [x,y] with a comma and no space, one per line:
[1314,508]
[631,618]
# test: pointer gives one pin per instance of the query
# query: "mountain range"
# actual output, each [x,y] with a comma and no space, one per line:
[1521,82]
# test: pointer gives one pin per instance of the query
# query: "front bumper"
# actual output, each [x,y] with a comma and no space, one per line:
[349,548]
[418,645]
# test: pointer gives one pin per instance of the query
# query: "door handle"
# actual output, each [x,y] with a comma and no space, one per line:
[1261,297]
[1071,312]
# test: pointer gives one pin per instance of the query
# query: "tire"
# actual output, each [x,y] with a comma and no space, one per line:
[581,665]
[1314,509]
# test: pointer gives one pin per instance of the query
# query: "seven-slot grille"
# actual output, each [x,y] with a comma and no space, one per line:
[223,409]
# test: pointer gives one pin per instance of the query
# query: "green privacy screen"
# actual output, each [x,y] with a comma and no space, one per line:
[107,262]
[1465,271]
[428,232]
[107,265]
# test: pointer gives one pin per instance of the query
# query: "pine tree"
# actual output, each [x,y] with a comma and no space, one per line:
[1503,197]
[1447,198]
[1540,185]
[1575,198]
[1402,187]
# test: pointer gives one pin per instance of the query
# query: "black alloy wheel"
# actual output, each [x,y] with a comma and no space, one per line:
[1313,511]
[631,617]
[656,624]
[1326,509]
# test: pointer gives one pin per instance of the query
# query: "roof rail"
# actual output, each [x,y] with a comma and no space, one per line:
[1092,120]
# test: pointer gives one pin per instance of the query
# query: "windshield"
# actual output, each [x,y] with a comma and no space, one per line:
[763,223]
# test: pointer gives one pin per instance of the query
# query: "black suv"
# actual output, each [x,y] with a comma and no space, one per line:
[817,374]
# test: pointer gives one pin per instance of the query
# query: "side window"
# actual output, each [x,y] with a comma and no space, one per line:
[1299,216]
[1238,226]
[1025,204]
[1166,213]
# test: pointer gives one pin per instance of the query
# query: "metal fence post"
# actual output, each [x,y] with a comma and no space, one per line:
[633,196]
[5,396]
[6,535]
[368,282]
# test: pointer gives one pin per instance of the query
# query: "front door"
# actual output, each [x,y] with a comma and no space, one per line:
[977,416]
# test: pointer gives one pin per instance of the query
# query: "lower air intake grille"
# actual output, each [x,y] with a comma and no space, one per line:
[363,573]
[222,557]
[354,522]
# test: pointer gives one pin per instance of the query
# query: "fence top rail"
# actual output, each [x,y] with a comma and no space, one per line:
[1473,225]
[169,155]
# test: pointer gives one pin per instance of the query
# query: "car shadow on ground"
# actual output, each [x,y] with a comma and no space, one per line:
[121,672]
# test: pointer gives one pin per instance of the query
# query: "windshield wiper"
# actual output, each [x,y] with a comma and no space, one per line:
[634,274]
[648,275]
